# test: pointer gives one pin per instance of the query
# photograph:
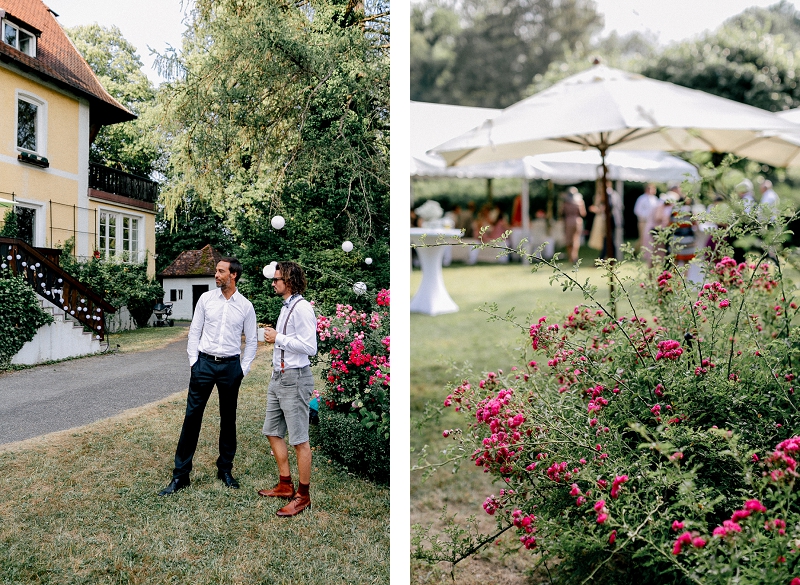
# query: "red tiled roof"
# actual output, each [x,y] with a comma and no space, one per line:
[194,263]
[58,60]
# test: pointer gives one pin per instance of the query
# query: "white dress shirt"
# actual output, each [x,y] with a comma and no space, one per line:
[217,327]
[300,340]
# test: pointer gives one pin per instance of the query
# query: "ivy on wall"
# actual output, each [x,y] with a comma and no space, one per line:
[20,317]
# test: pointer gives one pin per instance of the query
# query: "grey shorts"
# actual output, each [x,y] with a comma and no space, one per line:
[288,396]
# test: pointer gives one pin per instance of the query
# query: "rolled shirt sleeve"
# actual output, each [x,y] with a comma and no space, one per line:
[304,338]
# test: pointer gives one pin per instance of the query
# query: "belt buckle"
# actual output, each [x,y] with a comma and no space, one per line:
[217,358]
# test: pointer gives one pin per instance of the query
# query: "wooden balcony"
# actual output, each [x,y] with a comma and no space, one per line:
[120,187]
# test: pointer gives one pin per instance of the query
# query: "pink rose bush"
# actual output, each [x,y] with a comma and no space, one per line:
[661,440]
[357,375]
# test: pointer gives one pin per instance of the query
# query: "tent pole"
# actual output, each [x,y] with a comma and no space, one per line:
[609,244]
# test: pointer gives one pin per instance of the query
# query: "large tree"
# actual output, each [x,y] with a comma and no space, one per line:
[282,107]
[492,52]
[133,146]
[747,60]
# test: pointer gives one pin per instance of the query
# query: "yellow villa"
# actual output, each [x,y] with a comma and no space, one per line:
[51,108]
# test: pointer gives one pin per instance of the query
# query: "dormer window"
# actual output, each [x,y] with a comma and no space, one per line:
[19,38]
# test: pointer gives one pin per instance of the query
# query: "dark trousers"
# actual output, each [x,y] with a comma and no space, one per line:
[205,374]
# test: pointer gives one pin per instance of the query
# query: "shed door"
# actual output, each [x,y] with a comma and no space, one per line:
[197,290]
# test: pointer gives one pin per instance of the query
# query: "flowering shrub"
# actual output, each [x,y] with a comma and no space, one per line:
[660,446]
[357,377]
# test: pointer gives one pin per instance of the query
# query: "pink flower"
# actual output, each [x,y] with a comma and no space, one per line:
[575,491]
[676,525]
[754,506]
[612,537]
[602,517]
[669,349]
[698,542]
[724,303]
[599,505]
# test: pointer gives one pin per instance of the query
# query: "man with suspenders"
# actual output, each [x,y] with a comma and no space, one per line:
[291,386]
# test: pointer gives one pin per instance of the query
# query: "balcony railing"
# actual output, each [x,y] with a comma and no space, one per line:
[122,183]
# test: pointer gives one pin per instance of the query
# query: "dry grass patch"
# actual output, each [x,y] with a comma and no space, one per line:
[148,338]
[80,506]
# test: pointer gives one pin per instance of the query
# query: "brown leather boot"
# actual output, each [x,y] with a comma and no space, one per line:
[283,489]
[293,508]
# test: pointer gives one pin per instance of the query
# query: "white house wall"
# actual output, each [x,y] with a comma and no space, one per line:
[182,309]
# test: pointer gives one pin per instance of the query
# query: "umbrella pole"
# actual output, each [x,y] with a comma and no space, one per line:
[609,244]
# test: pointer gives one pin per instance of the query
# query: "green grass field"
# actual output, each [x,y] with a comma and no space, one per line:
[440,346]
[80,506]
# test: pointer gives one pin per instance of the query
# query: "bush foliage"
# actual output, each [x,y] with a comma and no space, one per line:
[355,423]
[659,446]
[20,316]
[117,283]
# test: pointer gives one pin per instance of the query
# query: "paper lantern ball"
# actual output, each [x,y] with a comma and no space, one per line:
[347,246]
[359,288]
[269,270]
[278,222]
[367,261]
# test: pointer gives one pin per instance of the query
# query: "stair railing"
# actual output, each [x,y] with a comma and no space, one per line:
[53,283]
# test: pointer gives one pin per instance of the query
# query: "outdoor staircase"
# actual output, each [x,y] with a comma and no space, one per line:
[64,338]
[61,291]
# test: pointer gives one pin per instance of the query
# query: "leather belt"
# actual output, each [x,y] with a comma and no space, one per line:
[218,359]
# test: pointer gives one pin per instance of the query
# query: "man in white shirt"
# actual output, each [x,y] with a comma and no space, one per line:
[645,205]
[291,386]
[215,340]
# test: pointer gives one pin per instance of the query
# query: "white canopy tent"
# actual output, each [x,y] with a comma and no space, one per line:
[605,109]
[434,123]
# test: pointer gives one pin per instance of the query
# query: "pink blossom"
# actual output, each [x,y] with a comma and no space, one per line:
[599,505]
[612,537]
[602,517]
[754,506]
[669,349]
[676,525]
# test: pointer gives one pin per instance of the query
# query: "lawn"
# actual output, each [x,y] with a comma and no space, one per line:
[81,506]
[441,346]
[147,338]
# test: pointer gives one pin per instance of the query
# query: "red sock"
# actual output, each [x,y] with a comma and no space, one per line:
[302,489]
[285,478]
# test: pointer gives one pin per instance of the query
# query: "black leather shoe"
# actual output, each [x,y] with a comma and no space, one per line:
[177,484]
[228,479]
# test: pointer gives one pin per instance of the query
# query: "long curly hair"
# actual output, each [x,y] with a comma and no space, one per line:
[293,276]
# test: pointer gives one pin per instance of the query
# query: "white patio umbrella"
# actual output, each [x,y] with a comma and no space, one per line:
[434,123]
[604,109]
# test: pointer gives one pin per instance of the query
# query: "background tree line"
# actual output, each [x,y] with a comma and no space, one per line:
[493,54]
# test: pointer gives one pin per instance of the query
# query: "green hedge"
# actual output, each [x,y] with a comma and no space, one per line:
[20,316]
[362,451]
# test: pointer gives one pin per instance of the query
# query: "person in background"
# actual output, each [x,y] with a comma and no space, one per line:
[643,209]
[574,210]
[769,200]
[745,192]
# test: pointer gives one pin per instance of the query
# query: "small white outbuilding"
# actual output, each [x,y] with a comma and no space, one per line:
[188,277]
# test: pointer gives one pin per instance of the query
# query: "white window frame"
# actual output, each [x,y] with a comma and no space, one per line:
[119,253]
[40,221]
[4,23]
[41,122]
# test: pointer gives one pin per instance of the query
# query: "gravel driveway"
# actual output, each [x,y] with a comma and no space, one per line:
[61,396]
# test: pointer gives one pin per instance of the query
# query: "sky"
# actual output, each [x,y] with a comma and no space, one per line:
[673,20]
[146,24]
